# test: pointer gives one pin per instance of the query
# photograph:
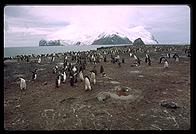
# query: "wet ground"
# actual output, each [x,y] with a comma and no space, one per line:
[44,107]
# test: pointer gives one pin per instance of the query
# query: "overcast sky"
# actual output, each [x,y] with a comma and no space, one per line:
[26,25]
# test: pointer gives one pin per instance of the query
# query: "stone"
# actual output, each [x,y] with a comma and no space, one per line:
[169,104]
[114,82]
[45,83]
[103,96]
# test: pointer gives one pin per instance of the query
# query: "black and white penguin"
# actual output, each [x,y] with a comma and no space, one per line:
[87,84]
[146,58]
[94,70]
[39,60]
[81,77]
[93,77]
[71,79]
[123,60]
[176,57]
[58,81]
[23,84]
[101,69]
[105,60]
[166,65]
[64,77]
[34,76]
[161,59]
[119,64]
[75,74]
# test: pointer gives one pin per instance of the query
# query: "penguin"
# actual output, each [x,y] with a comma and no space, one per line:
[94,70]
[64,77]
[93,77]
[166,65]
[146,59]
[176,57]
[104,74]
[149,61]
[130,54]
[23,84]
[71,79]
[74,69]
[34,76]
[135,57]
[123,60]
[101,69]
[119,63]
[87,84]
[81,77]
[138,62]
[54,70]
[75,74]
[39,60]
[160,61]
[58,81]
[105,59]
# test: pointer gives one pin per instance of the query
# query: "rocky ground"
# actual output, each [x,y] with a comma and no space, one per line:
[44,107]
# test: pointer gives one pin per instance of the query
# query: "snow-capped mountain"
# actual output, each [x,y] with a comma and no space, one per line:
[73,35]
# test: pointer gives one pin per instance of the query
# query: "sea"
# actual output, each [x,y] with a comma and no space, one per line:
[14,51]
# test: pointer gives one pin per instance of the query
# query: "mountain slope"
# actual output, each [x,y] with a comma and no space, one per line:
[75,35]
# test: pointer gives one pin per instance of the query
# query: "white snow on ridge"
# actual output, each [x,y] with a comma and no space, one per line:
[87,35]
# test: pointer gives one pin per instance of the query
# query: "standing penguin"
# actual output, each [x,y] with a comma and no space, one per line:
[81,77]
[87,84]
[176,56]
[64,77]
[23,84]
[105,59]
[94,70]
[39,60]
[123,60]
[119,63]
[75,74]
[34,76]
[58,81]
[101,69]
[146,58]
[166,65]
[161,59]
[71,79]
[93,77]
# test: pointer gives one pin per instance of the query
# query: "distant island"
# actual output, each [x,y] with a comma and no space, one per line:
[50,43]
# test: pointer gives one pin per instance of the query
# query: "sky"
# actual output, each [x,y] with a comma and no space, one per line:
[26,25]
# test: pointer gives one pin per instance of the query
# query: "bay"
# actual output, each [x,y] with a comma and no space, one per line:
[14,51]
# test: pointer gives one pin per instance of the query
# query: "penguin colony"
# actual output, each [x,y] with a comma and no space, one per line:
[74,63]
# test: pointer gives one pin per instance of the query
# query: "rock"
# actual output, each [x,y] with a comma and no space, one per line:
[45,83]
[103,96]
[169,104]
[138,42]
[134,71]
[141,76]
[114,82]
[17,106]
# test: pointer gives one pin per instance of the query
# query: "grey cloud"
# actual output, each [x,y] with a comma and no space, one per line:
[16,11]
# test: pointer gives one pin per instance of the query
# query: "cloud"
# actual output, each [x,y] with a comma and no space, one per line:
[163,21]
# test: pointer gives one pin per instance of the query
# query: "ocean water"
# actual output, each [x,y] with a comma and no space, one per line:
[13,51]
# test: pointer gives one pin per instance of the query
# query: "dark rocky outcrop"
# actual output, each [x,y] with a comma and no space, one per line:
[113,39]
[138,42]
